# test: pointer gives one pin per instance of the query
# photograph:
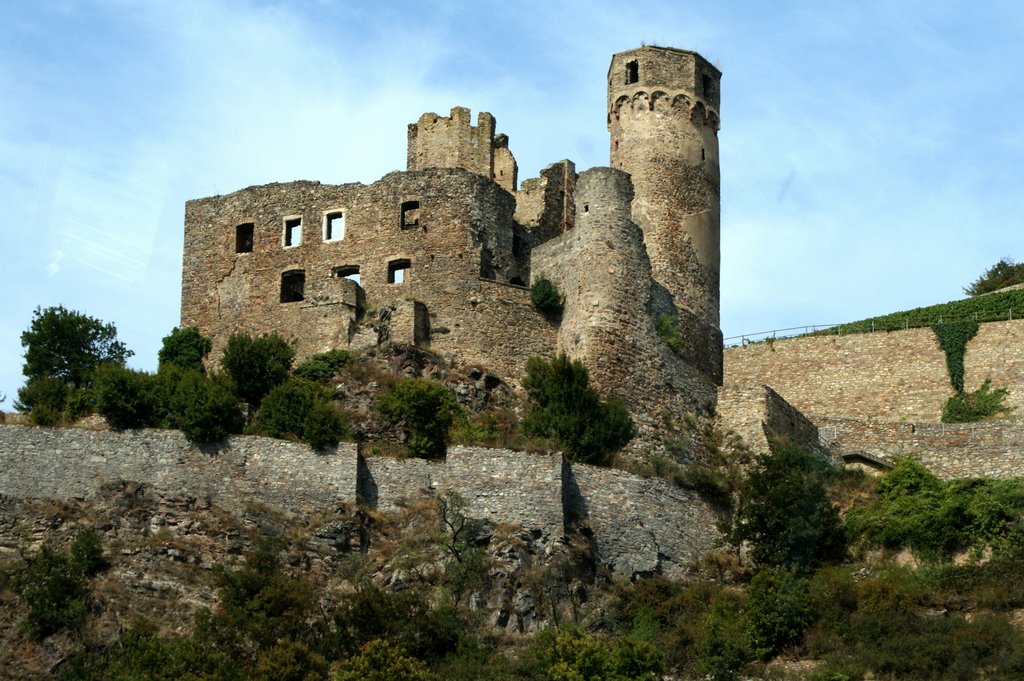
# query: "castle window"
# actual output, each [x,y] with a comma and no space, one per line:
[243,237]
[293,286]
[707,84]
[632,72]
[410,214]
[292,232]
[334,225]
[703,156]
[346,272]
[397,271]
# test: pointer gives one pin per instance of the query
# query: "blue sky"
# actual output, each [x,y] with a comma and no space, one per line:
[871,152]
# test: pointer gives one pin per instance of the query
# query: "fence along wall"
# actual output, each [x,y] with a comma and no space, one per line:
[897,375]
[638,525]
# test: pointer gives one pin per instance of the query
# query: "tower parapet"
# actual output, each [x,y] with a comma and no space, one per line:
[663,122]
[453,142]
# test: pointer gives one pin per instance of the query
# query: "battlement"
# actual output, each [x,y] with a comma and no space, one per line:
[664,68]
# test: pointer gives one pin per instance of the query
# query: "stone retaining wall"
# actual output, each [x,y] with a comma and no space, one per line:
[640,526]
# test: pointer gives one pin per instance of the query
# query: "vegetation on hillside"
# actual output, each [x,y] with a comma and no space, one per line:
[1004,273]
[990,308]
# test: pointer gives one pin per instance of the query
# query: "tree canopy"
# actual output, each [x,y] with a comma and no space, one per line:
[69,345]
[1004,273]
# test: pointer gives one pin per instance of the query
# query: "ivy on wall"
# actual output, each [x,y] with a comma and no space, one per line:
[953,337]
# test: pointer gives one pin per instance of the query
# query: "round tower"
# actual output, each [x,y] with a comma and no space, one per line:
[663,120]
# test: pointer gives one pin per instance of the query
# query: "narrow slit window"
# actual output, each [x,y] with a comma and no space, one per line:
[293,286]
[632,72]
[398,271]
[347,272]
[410,214]
[243,237]
[707,85]
[292,232]
[334,225]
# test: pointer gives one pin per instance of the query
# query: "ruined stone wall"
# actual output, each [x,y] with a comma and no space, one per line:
[992,449]
[640,526]
[453,142]
[760,415]
[461,239]
[607,323]
[663,119]
[546,205]
[884,375]
[74,463]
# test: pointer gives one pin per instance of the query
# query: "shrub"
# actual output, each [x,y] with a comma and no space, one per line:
[426,410]
[565,407]
[322,367]
[967,407]
[126,398]
[724,648]
[256,365]
[1004,273]
[202,407]
[778,611]
[54,585]
[47,394]
[571,654]
[785,512]
[667,327]
[302,410]
[185,348]
[382,661]
[545,297]
[68,345]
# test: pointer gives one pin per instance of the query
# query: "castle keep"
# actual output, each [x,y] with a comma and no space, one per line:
[442,254]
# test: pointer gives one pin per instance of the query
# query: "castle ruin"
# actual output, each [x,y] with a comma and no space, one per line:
[444,252]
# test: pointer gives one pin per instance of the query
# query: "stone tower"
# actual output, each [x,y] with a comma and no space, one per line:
[663,120]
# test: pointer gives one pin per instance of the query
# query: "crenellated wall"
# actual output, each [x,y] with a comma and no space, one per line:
[639,526]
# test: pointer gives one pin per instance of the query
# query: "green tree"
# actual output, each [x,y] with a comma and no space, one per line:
[785,512]
[565,407]
[126,398]
[778,611]
[69,345]
[256,365]
[382,661]
[185,348]
[426,410]
[1004,273]
[202,407]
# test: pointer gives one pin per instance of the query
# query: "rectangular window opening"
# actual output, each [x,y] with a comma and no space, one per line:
[292,232]
[334,225]
[347,272]
[398,271]
[707,85]
[410,214]
[293,286]
[632,72]
[243,237]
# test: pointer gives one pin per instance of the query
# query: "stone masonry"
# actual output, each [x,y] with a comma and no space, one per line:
[639,526]
[447,248]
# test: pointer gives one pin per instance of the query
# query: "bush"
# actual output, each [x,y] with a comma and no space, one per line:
[565,407]
[126,398]
[426,410]
[667,327]
[185,349]
[54,585]
[785,512]
[322,367]
[301,410]
[1004,273]
[202,407]
[48,394]
[256,365]
[968,407]
[382,661]
[571,654]
[545,297]
[778,611]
